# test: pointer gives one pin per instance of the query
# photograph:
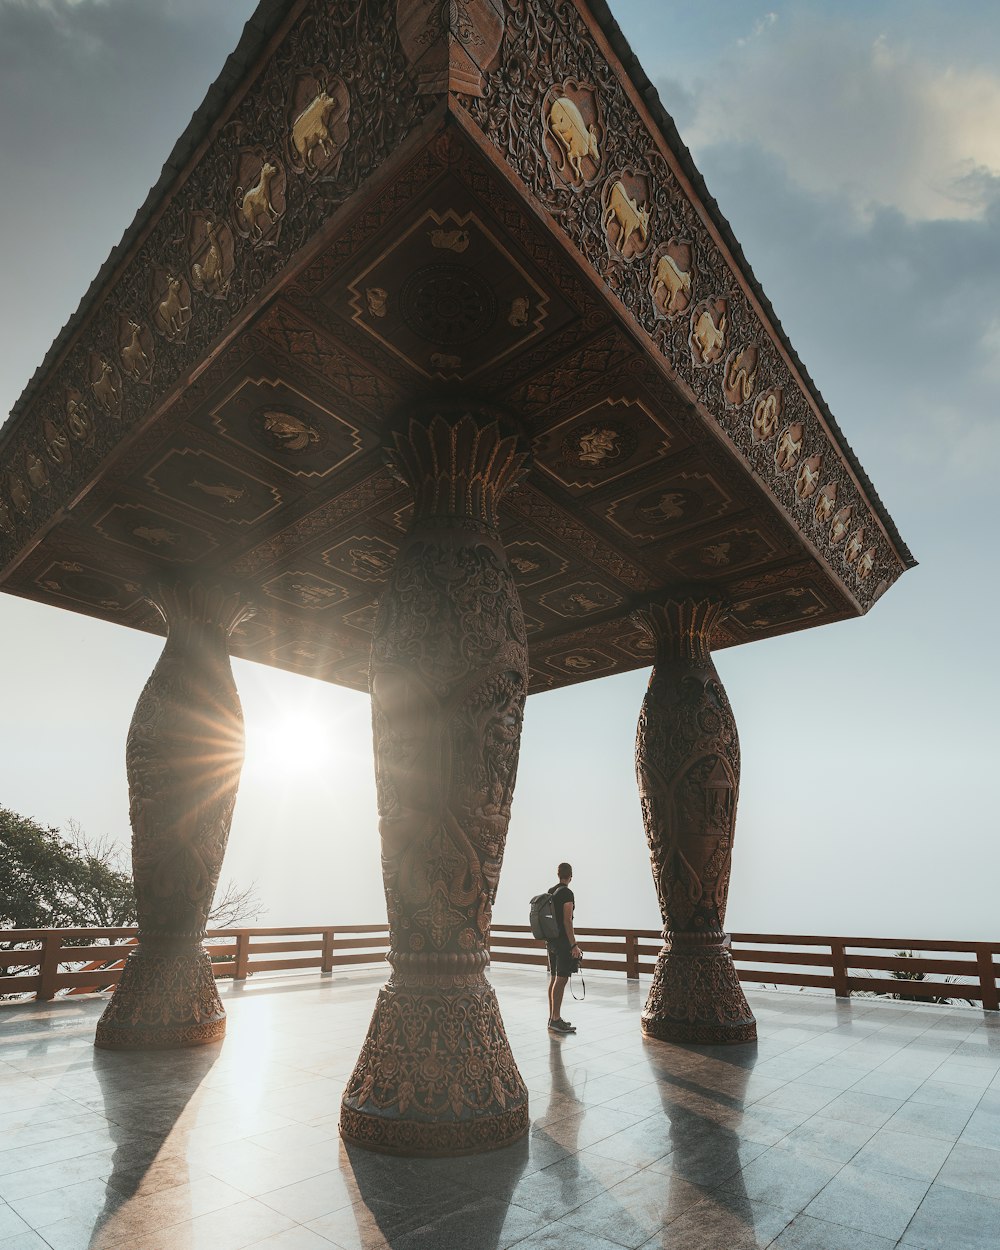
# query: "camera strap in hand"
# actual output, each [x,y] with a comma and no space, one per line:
[583,984]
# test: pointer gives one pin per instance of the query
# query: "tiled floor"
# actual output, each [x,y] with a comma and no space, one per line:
[850,1126]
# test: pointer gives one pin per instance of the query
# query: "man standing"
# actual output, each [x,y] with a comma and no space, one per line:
[564,952]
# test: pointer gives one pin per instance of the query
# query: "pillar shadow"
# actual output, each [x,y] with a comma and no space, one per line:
[145,1094]
[434,1202]
[703,1093]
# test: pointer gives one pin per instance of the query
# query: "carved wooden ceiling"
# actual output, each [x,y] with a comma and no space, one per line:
[395,200]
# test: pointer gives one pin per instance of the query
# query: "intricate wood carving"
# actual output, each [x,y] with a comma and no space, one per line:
[687,761]
[184,755]
[448,682]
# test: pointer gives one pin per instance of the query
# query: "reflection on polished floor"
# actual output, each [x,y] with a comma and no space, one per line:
[849,1126]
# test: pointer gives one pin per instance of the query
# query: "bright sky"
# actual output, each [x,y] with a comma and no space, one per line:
[855,148]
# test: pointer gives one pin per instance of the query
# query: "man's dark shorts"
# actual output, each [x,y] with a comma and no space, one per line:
[561,962]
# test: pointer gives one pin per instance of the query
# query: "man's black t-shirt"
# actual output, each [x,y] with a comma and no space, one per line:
[561,895]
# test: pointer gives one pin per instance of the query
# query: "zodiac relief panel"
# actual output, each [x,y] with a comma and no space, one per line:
[57,444]
[532,562]
[288,428]
[766,415]
[740,376]
[573,132]
[155,533]
[709,322]
[580,662]
[671,274]
[602,443]
[447,297]
[89,587]
[763,612]
[79,422]
[580,599]
[808,477]
[304,589]
[105,385]
[211,251]
[676,502]
[626,213]
[258,196]
[170,304]
[367,558]
[209,485]
[136,349]
[726,552]
[318,115]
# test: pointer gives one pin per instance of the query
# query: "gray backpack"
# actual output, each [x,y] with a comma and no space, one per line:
[542,918]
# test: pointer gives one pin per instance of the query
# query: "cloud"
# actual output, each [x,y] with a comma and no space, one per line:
[866,119]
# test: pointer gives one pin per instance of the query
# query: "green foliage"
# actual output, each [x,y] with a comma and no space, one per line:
[51,881]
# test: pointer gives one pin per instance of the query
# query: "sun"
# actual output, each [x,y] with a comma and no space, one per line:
[291,743]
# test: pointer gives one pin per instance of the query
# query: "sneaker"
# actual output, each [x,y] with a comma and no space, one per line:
[560,1026]
[567,1024]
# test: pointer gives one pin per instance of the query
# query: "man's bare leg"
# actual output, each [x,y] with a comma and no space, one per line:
[557,988]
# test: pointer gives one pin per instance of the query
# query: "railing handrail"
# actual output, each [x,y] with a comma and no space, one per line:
[325,947]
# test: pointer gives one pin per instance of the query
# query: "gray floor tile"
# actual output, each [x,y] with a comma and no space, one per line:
[722,1222]
[873,1202]
[903,1154]
[975,1169]
[806,1233]
[783,1179]
[859,1108]
[952,1219]
[631,1212]
[923,1120]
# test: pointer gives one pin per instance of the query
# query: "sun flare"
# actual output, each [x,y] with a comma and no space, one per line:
[291,743]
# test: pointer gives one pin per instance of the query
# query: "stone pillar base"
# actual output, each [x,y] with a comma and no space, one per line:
[696,997]
[435,1075]
[163,1002]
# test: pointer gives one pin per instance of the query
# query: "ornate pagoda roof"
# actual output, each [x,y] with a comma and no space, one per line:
[381,200]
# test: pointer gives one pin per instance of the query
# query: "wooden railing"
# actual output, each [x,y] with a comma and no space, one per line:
[50,959]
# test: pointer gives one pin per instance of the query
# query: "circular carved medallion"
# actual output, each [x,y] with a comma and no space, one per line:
[447,304]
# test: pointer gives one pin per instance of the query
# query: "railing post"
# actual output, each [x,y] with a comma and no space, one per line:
[838,961]
[328,939]
[242,954]
[631,955]
[987,978]
[49,965]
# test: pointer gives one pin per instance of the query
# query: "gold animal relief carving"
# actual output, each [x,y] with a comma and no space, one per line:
[286,432]
[854,546]
[212,255]
[171,304]
[598,445]
[807,478]
[865,564]
[766,415]
[789,447]
[18,494]
[56,443]
[520,306]
[708,331]
[319,130]
[740,376]
[826,502]
[78,420]
[671,272]
[106,385]
[626,214]
[841,524]
[572,134]
[377,299]
[259,196]
[135,348]
[38,474]
[456,240]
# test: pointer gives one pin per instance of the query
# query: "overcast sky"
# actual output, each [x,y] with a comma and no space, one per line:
[855,148]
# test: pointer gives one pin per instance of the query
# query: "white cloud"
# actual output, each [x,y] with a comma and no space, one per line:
[869,120]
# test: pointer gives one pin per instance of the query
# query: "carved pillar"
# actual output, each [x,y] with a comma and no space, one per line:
[448,681]
[183,758]
[687,761]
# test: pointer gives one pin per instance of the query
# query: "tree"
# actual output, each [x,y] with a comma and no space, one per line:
[48,880]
